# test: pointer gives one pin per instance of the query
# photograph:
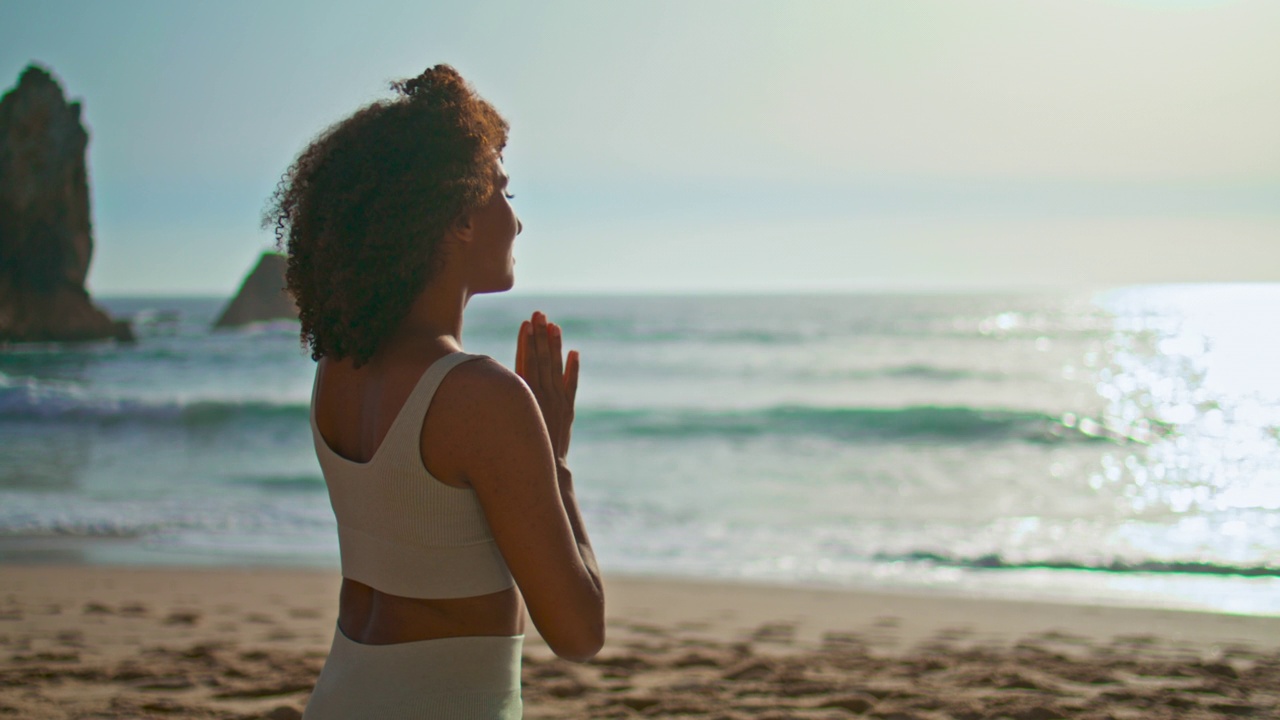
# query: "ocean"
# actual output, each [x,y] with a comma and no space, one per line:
[1115,446]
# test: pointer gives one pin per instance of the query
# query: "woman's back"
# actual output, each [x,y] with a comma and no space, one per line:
[418,558]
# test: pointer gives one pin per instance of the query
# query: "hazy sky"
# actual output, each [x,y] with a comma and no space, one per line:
[711,146]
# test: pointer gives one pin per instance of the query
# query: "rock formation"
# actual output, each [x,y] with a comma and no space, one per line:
[46,240]
[262,295]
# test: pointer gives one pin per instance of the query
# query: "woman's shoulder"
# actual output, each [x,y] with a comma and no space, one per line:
[482,374]
[481,412]
[487,391]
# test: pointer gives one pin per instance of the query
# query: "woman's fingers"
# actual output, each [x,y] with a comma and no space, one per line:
[571,377]
[540,358]
[531,371]
[551,376]
[520,347]
[553,341]
[542,343]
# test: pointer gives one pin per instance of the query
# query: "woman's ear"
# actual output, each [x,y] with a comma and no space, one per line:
[462,228]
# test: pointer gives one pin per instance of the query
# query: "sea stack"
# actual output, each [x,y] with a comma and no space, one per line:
[46,238]
[262,295]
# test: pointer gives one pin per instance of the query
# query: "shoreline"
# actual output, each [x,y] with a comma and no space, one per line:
[246,643]
[1214,593]
[672,598]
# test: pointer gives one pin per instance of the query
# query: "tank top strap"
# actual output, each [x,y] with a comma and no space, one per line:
[406,429]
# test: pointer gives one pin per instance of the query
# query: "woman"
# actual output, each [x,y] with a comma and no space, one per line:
[446,471]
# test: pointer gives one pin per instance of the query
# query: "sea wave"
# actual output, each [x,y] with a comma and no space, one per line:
[281,483]
[26,403]
[630,332]
[923,423]
[916,371]
[997,562]
[28,400]
[52,527]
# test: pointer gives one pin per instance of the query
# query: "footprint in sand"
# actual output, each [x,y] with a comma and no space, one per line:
[781,633]
[834,639]
[71,638]
[182,617]
[133,609]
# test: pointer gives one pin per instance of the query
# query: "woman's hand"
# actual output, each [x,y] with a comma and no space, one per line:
[554,382]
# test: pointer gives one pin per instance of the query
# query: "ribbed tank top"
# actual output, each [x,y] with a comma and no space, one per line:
[400,530]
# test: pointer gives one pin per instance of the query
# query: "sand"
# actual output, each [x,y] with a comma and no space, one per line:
[100,642]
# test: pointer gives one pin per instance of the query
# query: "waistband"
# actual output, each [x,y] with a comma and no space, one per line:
[472,662]
[459,677]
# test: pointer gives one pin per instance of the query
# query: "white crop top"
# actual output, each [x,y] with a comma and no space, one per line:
[400,530]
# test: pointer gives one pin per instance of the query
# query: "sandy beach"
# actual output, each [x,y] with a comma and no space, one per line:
[106,642]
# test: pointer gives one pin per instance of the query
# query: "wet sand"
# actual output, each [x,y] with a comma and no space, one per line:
[100,642]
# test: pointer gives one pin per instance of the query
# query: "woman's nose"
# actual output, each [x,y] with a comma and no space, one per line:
[519,226]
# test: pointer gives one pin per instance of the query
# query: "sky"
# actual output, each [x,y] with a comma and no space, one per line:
[699,146]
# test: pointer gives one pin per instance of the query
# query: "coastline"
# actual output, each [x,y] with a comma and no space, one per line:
[247,643]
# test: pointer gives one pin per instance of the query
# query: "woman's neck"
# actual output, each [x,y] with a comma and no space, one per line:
[434,318]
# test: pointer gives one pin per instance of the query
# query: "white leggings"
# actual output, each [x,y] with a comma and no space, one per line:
[460,678]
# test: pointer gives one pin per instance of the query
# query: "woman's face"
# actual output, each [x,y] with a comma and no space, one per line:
[494,227]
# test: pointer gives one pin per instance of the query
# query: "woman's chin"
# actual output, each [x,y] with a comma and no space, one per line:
[497,287]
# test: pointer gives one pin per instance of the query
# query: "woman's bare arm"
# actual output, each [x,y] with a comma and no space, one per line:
[519,427]
[555,387]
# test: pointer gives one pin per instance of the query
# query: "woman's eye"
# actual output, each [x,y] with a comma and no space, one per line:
[509,196]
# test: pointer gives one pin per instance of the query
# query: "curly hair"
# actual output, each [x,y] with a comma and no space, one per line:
[362,210]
